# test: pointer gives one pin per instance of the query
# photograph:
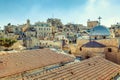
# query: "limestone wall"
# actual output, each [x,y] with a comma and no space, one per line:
[114,49]
[50,43]
[84,51]
[73,49]
[114,55]
[94,50]
[118,58]
[108,42]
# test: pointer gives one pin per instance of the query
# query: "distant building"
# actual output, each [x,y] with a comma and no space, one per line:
[91,24]
[26,26]
[97,40]
[50,44]
[55,22]
[112,53]
[43,30]
[115,29]
[99,32]
[74,27]
[10,28]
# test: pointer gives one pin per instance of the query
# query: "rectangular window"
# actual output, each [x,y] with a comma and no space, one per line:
[109,50]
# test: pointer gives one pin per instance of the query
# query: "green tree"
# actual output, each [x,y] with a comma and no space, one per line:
[7,42]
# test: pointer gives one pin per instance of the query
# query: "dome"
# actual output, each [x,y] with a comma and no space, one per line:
[99,31]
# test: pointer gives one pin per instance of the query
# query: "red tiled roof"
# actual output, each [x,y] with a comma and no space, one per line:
[96,68]
[13,63]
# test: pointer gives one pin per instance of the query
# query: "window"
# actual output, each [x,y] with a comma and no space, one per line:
[109,50]
[80,49]
[66,41]
[87,57]
[69,52]
[104,37]
[95,38]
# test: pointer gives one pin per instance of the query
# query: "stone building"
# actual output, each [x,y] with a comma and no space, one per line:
[10,28]
[86,48]
[43,30]
[115,29]
[26,26]
[31,42]
[50,44]
[99,32]
[91,24]
[74,27]
[96,43]
[55,22]
[112,53]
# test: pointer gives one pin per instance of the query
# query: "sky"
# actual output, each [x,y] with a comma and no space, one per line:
[74,11]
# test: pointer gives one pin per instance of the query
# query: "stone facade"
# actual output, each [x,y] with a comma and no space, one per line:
[43,30]
[112,54]
[50,44]
[79,49]
[91,24]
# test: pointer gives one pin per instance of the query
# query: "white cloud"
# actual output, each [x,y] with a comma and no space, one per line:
[103,8]
[92,10]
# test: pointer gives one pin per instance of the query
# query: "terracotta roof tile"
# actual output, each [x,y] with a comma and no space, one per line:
[18,62]
[96,68]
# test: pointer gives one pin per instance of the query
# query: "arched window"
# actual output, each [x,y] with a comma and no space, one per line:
[80,49]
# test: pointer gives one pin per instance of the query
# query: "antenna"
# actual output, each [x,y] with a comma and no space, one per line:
[99,18]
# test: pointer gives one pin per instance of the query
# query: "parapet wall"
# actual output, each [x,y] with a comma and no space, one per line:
[113,42]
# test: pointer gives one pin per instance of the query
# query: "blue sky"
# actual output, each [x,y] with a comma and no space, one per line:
[74,11]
